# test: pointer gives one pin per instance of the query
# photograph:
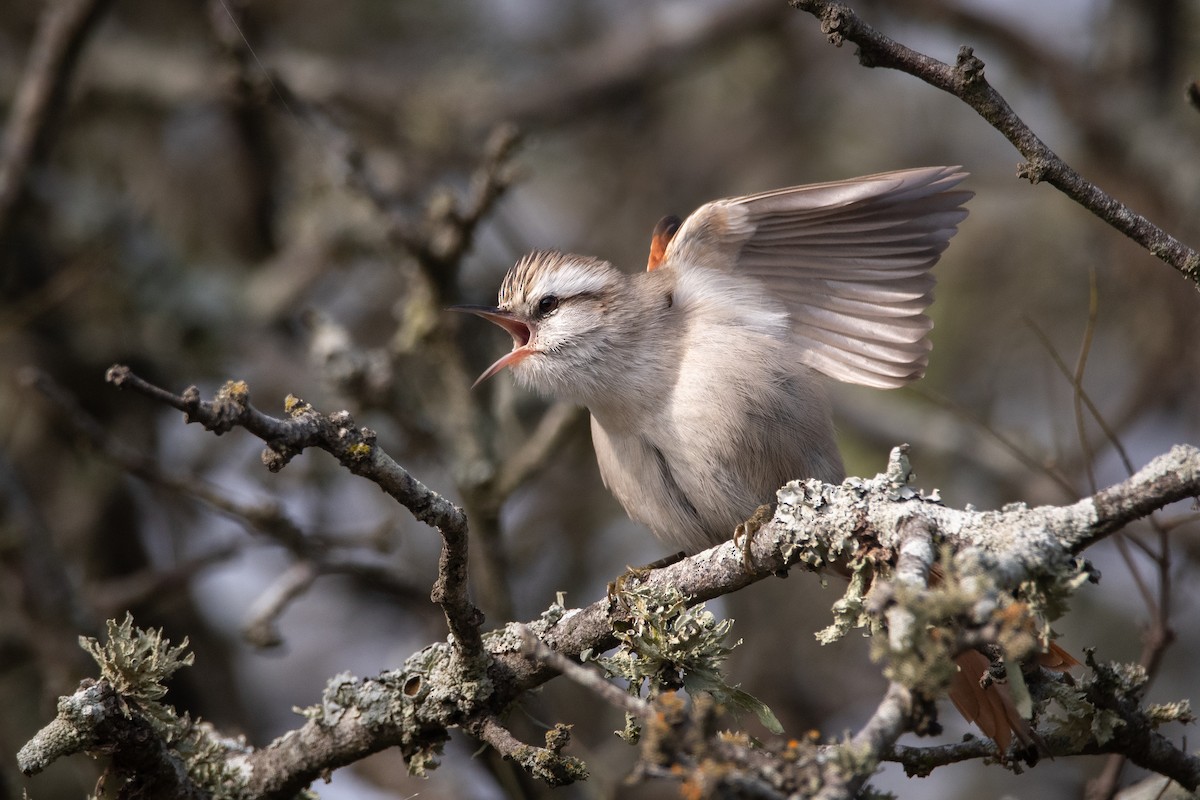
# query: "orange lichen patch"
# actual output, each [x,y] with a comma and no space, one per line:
[691,790]
[664,231]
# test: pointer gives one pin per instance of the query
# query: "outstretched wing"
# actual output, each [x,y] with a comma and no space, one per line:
[850,260]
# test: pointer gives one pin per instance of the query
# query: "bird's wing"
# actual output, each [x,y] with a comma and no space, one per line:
[850,260]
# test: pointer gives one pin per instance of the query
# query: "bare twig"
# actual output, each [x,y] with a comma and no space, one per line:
[355,448]
[1077,392]
[534,452]
[612,71]
[966,81]
[244,96]
[535,648]
[1013,448]
[261,628]
[112,597]
[1080,393]
[921,761]
[875,739]
[267,519]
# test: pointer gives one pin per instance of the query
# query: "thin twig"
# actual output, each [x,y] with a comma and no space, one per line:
[1083,396]
[966,81]
[535,451]
[261,627]
[573,670]
[355,448]
[1008,444]
[872,742]
[544,763]
[1077,392]
[267,519]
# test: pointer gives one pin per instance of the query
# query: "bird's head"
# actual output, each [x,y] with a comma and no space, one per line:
[561,311]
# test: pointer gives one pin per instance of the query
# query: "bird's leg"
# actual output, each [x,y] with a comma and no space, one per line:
[762,515]
[617,587]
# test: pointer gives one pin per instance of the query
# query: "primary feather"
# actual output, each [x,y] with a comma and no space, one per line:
[849,260]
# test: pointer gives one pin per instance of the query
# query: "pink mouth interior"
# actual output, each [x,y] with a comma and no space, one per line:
[518,330]
[520,334]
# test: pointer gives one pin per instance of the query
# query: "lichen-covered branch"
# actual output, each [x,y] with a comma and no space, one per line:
[97,718]
[544,763]
[965,80]
[1032,553]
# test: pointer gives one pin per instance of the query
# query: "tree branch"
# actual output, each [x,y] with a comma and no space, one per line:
[815,525]
[355,449]
[98,718]
[966,81]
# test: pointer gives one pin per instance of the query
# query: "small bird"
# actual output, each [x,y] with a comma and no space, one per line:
[706,374]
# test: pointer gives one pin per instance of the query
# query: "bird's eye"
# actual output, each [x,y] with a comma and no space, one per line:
[547,304]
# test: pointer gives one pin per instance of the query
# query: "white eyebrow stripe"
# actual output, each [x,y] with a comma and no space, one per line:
[570,281]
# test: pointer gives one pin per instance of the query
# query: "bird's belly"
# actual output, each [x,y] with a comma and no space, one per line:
[692,489]
[640,474]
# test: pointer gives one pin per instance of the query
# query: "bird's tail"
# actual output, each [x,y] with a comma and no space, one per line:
[990,704]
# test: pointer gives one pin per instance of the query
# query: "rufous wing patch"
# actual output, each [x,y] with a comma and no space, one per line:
[664,231]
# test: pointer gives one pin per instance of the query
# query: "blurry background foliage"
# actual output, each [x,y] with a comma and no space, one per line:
[193,220]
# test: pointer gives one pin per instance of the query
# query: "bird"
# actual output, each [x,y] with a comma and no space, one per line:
[707,375]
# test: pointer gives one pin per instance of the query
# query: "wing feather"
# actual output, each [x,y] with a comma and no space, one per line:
[850,260]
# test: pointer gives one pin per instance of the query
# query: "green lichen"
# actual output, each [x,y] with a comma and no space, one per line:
[137,662]
[1078,720]
[1095,709]
[667,645]
[850,610]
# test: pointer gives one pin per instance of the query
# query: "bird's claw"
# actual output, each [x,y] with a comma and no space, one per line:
[762,515]
[616,588]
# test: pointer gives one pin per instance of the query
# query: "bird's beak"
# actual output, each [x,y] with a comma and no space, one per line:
[516,327]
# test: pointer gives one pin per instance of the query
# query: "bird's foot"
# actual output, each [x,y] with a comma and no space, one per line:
[762,515]
[617,587]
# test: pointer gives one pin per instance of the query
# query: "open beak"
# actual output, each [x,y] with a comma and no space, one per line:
[516,327]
